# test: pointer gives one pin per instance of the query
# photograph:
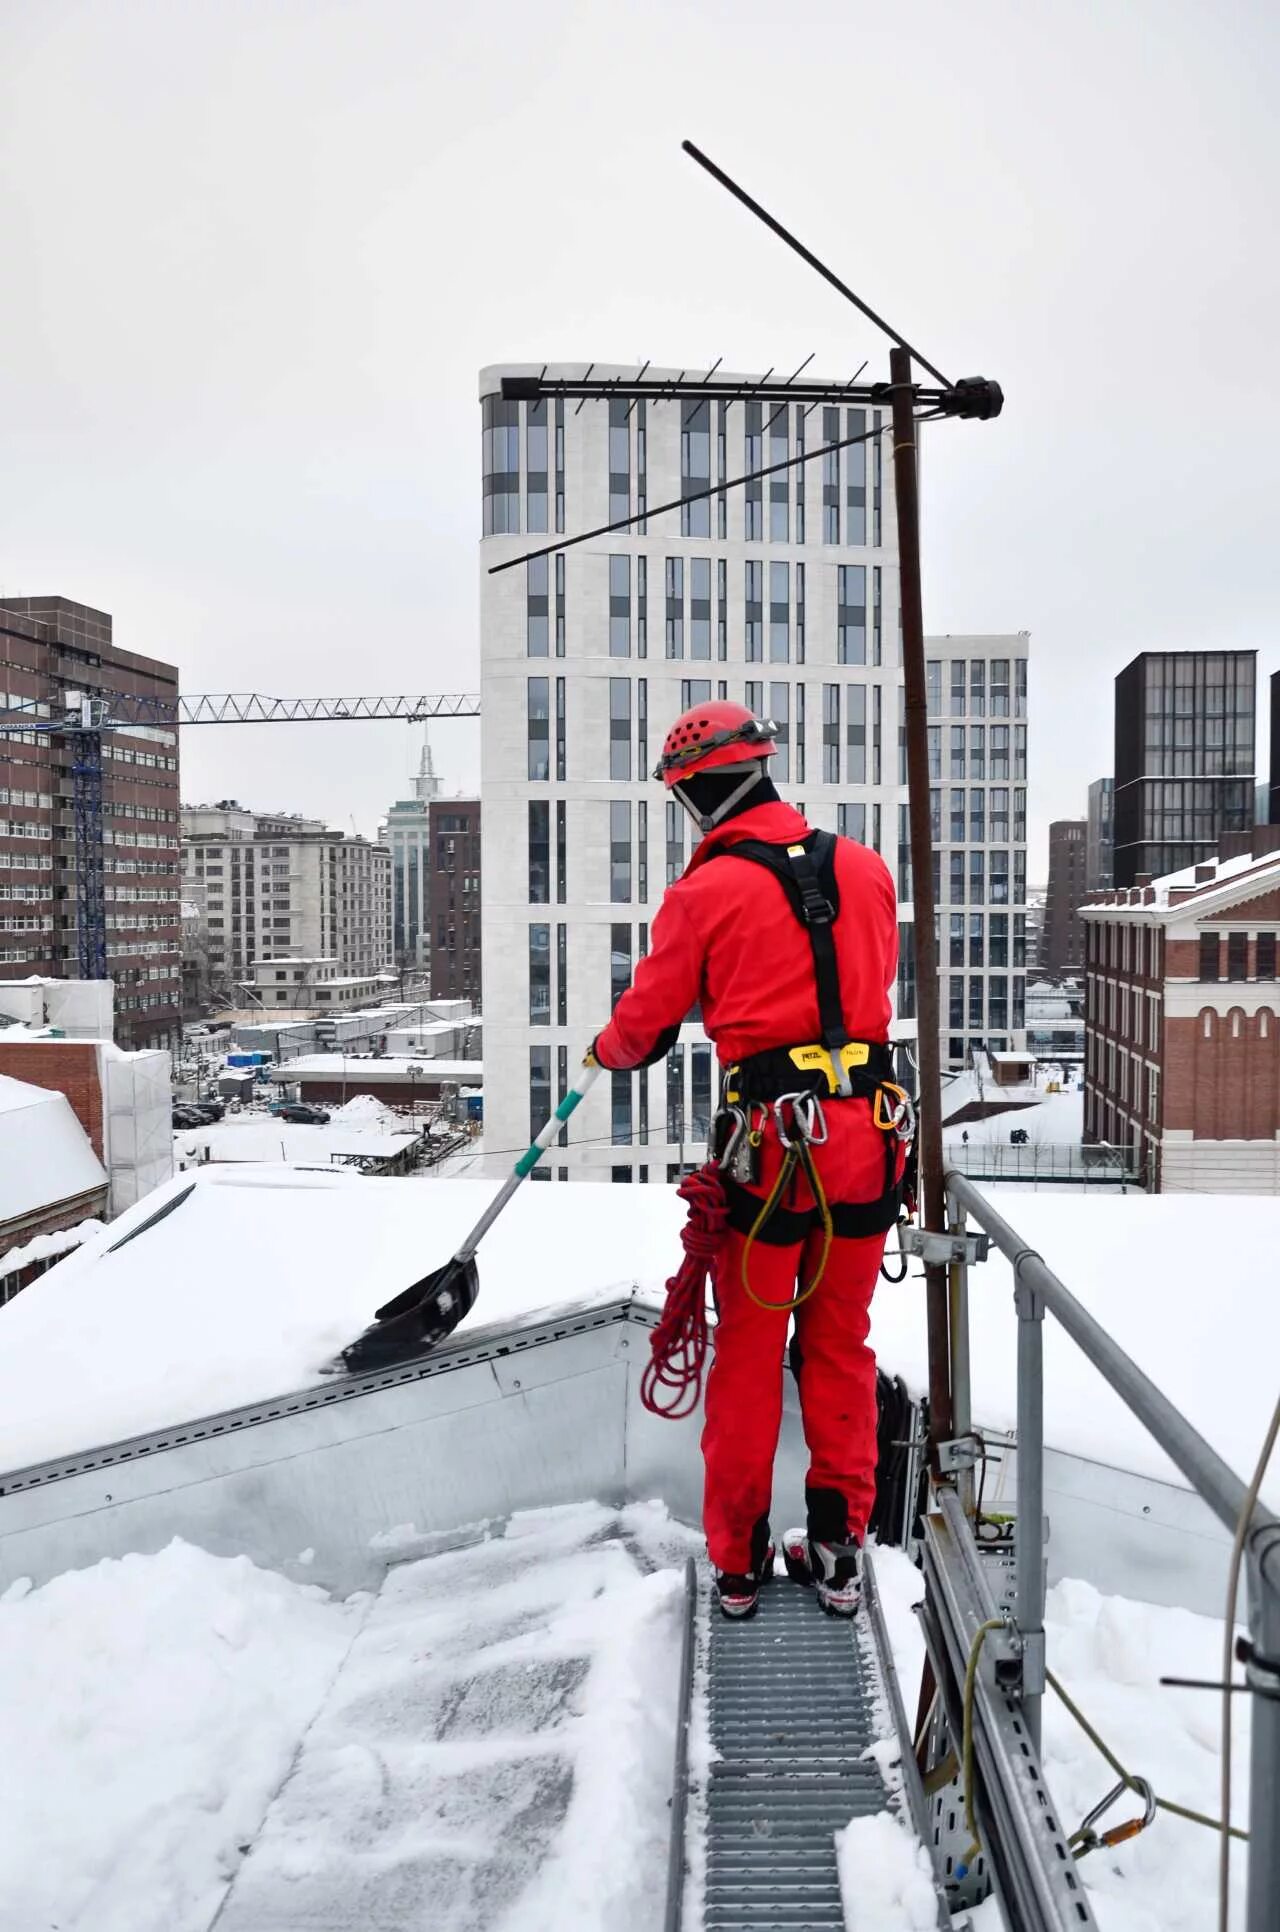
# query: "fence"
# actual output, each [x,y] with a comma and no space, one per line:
[1037,1291]
[1101,1166]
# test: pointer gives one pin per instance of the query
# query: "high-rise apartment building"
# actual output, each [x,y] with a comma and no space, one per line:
[49,649]
[1099,854]
[271,886]
[1184,760]
[783,595]
[408,838]
[1062,940]
[1273,815]
[977,690]
[454,898]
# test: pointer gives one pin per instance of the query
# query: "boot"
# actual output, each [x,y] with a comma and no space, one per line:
[833,1570]
[739,1594]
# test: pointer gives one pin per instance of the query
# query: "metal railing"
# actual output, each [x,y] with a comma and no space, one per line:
[1038,1290]
[1087,1166]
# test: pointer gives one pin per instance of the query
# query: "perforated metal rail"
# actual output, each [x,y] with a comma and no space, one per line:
[794,1700]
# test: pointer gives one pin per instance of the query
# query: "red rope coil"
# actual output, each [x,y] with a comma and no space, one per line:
[671,1384]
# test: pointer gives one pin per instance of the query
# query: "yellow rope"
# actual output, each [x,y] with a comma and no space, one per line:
[970,1681]
[793,1158]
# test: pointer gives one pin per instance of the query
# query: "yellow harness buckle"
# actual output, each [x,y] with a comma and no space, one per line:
[818,1059]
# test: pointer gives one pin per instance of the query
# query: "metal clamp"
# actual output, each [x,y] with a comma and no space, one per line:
[960,1453]
[946,1250]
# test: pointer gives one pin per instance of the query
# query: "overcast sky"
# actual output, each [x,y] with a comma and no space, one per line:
[252,254]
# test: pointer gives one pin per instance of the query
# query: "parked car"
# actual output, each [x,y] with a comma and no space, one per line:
[185,1118]
[211,1106]
[301,1114]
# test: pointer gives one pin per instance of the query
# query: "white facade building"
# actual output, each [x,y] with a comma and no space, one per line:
[275,886]
[977,688]
[784,597]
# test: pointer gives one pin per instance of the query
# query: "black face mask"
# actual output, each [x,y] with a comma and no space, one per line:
[705,794]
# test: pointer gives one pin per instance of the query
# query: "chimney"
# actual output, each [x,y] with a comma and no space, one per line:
[1148,895]
[1143,879]
[1206,872]
[1266,839]
[1178,893]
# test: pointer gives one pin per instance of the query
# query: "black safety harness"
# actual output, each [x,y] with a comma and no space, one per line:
[804,1078]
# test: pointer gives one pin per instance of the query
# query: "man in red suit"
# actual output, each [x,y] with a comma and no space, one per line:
[789,940]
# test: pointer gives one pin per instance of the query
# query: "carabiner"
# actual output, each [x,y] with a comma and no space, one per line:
[739,1129]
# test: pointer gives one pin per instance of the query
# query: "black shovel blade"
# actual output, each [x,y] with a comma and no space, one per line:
[416,1320]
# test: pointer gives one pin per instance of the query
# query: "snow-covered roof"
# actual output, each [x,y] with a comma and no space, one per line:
[1234,880]
[45,1155]
[385,1067]
[251,1283]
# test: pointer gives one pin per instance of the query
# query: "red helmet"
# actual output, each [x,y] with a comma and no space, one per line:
[713,735]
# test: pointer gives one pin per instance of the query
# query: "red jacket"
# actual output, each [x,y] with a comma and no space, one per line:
[725,935]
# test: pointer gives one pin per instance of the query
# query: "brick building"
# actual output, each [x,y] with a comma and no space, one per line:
[1182,1053]
[1062,937]
[453,898]
[48,649]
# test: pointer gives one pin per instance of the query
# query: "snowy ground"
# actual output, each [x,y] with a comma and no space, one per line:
[363,1127]
[1051,1120]
[484,1744]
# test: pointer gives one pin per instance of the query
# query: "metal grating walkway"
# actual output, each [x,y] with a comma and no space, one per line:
[793,1699]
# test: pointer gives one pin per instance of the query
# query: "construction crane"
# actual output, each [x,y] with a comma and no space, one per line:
[87,715]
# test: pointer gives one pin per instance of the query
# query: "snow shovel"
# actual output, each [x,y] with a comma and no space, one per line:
[429,1310]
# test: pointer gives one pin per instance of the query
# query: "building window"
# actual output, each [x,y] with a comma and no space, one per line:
[500,465]
[722,467]
[562,860]
[619,963]
[700,1092]
[694,691]
[904,854]
[998,940]
[976,922]
[955,1007]
[780,712]
[1237,955]
[998,1001]
[540,976]
[1000,687]
[539,1089]
[851,614]
[559,464]
[999,820]
[560,569]
[831,477]
[978,687]
[955,940]
[999,750]
[700,607]
[560,728]
[675,840]
[695,468]
[779,613]
[620,851]
[755,613]
[851,822]
[856,734]
[906,973]
[1266,960]
[675,1095]
[539,852]
[619,460]
[1209,967]
[642,850]
[831,734]
[998,879]
[537,623]
[779,485]
[642,463]
[753,502]
[798,472]
[675,606]
[798,761]
[562,980]
[957,816]
[957,878]
[539,728]
[855,528]
[535,465]
[619,727]
[977,872]
[619,607]
[620,1116]
[977,814]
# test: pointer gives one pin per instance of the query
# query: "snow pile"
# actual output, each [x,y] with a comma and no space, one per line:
[367,1111]
[886,1881]
[498,1748]
[44,1246]
[1109,1654]
[152,1707]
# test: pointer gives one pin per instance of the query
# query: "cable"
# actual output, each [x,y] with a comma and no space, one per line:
[1233,1590]
[980,1636]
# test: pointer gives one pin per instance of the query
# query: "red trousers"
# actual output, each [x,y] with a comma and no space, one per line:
[836,1368]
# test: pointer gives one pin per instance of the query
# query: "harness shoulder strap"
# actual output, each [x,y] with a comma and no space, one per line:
[806,873]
